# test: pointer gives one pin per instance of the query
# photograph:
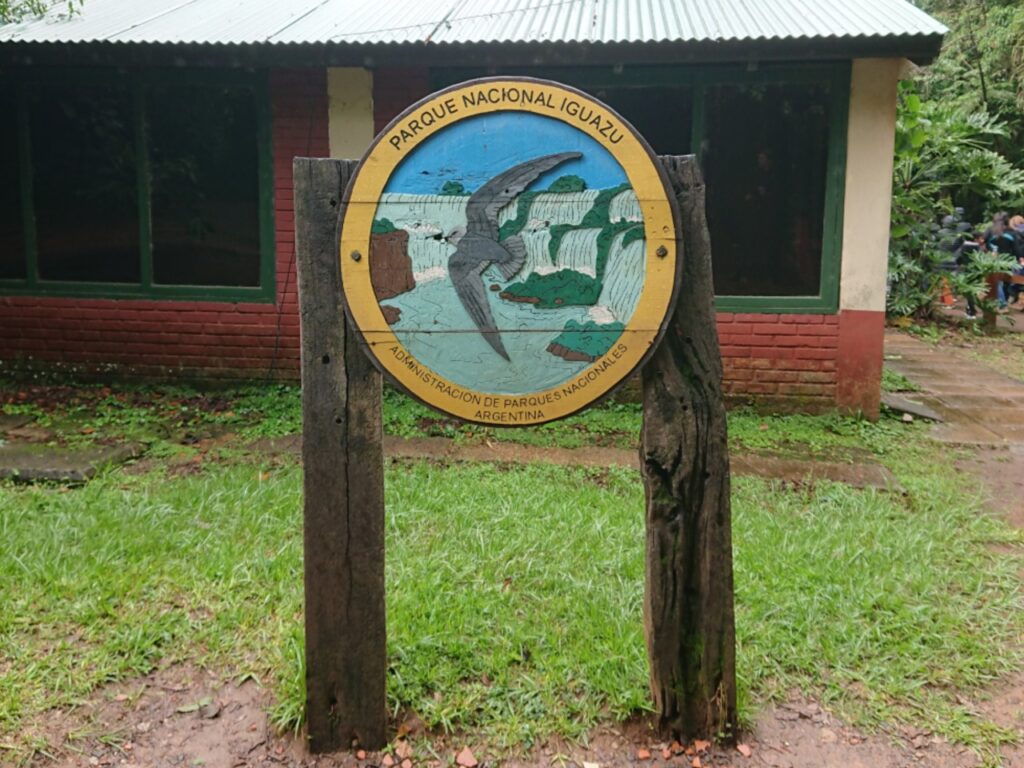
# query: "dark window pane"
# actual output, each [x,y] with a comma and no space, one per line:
[84,183]
[203,159]
[766,155]
[12,241]
[662,115]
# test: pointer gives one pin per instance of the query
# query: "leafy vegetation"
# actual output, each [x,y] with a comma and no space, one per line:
[897,382]
[169,422]
[944,159]
[16,10]
[611,424]
[959,144]
[981,68]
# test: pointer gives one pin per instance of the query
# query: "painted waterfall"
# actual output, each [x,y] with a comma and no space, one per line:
[564,307]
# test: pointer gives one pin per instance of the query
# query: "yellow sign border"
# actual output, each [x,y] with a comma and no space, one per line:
[446,108]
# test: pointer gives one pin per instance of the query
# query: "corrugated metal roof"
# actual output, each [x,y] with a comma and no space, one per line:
[472,21]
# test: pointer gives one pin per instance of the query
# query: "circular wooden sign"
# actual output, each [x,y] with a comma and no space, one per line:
[508,251]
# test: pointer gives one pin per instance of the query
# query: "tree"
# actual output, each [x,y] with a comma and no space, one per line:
[981,67]
[959,145]
[16,10]
[945,160]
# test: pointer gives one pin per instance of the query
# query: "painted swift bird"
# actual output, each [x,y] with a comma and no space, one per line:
[477,246]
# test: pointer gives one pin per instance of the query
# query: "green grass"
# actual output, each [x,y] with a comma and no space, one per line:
[897,382]
[514,594]
[165,418]
[1001,349]
[1003,352]
[152,414]
[609,424]
[169,420]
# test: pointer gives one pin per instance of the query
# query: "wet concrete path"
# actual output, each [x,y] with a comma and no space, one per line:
[978,406]
[862,474]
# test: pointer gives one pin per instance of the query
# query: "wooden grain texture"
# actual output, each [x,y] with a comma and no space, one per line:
[346,641]
[688,605]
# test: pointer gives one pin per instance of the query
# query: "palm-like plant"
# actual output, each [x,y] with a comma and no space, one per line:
[944,158]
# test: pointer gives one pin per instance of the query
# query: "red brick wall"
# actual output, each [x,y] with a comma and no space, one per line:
[790,359]
[198,339]
[395,89]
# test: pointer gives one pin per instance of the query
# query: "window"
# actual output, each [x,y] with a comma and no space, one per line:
[772,148]
[765,155]
[204,186]
[149,184]
[12,239]
[772,145]
[667,127]
[85,198]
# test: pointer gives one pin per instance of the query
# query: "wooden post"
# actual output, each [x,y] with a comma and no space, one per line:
[346,641]
[688,605]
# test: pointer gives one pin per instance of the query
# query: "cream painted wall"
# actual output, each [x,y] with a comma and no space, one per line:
[349,111]
[869,157]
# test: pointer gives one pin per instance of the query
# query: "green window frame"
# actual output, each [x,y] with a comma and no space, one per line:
[836,75]
[137,81]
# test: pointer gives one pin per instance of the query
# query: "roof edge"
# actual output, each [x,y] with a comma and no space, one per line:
[919,48]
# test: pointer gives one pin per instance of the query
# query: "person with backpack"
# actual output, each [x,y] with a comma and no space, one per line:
[956,238]
[1010,292]
[1001,237]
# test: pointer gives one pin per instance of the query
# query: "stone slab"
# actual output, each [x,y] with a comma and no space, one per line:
[31,463]
[9,421]
[1011,433]
[982,400]
[991,417]
[927,372]
[858,475]
[944,389]
[965,434]
[907,404]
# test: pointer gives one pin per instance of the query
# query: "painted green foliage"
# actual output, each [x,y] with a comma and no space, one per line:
[382,227]
[452,188]
[568,183]
[589,338]
[566,287]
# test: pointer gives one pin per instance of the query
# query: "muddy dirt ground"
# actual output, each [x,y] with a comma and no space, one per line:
[182,716]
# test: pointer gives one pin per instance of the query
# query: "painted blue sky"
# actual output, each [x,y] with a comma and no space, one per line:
[476,149]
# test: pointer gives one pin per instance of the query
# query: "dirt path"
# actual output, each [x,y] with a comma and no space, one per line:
[980,406]
[182,716]
[863,473]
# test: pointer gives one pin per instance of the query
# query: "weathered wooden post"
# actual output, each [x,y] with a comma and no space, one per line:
[688,607]
[346,642]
